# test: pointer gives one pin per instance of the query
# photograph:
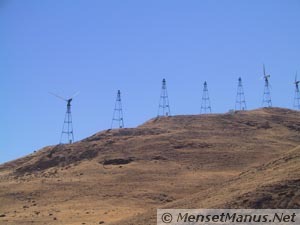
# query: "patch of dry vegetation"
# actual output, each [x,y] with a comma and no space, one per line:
[122,176]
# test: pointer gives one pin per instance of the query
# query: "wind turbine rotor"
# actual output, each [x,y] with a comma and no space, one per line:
[65,99]
[296,80]
[75,94]
[58,96]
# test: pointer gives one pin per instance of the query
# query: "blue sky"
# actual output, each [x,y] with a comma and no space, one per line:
[97,47]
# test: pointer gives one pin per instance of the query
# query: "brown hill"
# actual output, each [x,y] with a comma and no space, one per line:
[121,176]
[274,184]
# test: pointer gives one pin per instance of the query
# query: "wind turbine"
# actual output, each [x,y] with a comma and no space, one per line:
[118,112]
[267,102]
[240,102]
[265,75]
[164,106]
[297,82]
[67,129]
[297,93]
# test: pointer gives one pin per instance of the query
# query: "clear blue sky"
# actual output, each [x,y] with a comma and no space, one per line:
[97,47]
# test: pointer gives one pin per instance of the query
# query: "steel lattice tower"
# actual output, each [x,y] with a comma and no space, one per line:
[267,102]
[297,94]
[164,107]
[205,105]
[118,112]
[67,135]
[240,102]
[67,130]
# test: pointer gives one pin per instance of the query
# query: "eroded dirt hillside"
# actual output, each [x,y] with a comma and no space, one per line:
[116,175]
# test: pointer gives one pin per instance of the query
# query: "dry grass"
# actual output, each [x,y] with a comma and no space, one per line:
[122,176]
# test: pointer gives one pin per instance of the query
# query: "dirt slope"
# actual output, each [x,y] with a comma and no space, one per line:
[176,161]
[274,184]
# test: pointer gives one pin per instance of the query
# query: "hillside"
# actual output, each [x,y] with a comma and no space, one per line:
[179,161]
[274,184]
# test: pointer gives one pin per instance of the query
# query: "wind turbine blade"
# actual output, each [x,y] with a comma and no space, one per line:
[296,77]
[264,70]
[75,94]
[58,96]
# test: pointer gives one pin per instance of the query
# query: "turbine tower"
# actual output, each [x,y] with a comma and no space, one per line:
[297,94]
[118,113]
[267,102]
[67,134]
[240,102]
[164,107]
[205,105]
